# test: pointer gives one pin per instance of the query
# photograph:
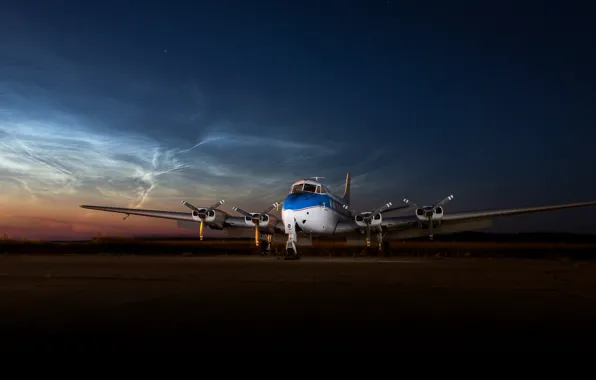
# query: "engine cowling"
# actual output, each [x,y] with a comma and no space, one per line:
[268,221]
[215,217]
[265,220]
[376,220]
[428,213]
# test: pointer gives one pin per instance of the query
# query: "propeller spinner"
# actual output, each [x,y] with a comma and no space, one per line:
[202,213]
[367,217]
[258,217]
[429,213]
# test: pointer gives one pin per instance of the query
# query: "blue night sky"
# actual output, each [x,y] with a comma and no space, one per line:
[143,104]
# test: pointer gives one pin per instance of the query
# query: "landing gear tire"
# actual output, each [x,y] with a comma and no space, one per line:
[265,248]
[291,254]
[386,248]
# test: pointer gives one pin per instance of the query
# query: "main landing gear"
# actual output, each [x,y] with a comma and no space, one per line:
[265,248]
[383,245]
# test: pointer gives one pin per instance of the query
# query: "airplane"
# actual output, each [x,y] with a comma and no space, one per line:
[312,210]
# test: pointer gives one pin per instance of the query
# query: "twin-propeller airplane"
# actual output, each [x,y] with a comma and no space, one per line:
[310,209]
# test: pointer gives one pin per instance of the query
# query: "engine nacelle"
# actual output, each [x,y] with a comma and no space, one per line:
[376,221]
[215,217]
[426,213]
[265,221]
[268,221]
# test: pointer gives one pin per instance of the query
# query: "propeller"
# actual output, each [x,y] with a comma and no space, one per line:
[368,218]
[257,217]
[429,212]
[202,213]
[395,208]
[277,205]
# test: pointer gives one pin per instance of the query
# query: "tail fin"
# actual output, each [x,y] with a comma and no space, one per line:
[347,190]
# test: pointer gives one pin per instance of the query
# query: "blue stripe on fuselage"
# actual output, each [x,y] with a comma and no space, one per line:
[301,201]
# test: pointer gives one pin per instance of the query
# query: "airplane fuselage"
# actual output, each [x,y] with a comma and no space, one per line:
[317,212]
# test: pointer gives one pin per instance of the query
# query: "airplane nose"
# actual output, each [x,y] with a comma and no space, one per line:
[299,201]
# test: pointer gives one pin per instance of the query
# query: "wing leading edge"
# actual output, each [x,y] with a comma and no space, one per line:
[230,221]
[403,222]
[408,222]
[174,215]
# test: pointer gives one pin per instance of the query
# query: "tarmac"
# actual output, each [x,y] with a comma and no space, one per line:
[235,303]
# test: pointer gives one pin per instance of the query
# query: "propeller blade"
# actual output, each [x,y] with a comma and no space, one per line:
[241,211]
[277,204]
[273,206]
[368,235]
[257,235]
[190,206]
[380,209]
[390,209]
[201,231]
[441,203]
[216,205]
[430,229]
[407,201]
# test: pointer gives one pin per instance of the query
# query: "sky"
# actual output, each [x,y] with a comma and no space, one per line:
[145,104]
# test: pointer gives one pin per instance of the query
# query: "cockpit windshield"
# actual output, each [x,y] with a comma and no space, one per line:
[304,188]
[309,188]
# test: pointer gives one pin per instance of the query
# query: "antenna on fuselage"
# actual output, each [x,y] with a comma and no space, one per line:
[316,178]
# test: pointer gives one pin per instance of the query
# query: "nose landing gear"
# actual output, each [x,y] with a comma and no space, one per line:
[291,251]
[290,229]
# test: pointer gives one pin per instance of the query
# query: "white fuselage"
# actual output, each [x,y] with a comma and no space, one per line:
[313,213]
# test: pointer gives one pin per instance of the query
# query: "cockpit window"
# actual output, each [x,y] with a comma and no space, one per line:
[310,188]
[297,188]
[324,190]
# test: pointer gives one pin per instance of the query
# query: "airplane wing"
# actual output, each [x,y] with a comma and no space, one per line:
[511,211]
[409,222]
[174,215]
[211,216]
[227,220]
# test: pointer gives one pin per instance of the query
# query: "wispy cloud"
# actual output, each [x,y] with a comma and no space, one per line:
[71,134]
[50,159]
[64,153]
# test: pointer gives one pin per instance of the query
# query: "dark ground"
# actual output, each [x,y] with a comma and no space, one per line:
[254,303]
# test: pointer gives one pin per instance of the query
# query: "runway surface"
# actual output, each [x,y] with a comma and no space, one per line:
[316,304]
